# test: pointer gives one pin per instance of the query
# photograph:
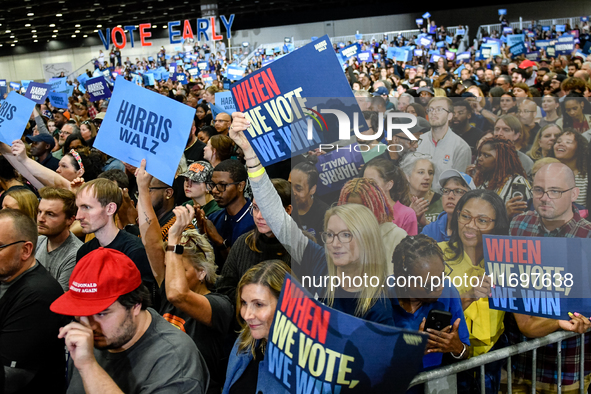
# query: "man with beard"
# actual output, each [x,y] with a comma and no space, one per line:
[446,148]
[65,132]
[528,69]
[57,246]
[41,147]
[222,123]
[60,116]
[460,124]
[425,95]
[117,343]
[32,355]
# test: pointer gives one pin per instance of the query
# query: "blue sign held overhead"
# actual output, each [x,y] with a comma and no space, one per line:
[503,11]
[560,28]
[565,44]
[15,112]
[235,73]
[58,100]
[518,49]
[141,124]
[14,86]
[225,102]
[426,15]
[351,51]
[37,92]
[182,78]
[58,84]
[98,89]
[365,56]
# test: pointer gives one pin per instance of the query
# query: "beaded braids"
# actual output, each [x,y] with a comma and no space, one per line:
[507,163]
[371,196]
[412,248]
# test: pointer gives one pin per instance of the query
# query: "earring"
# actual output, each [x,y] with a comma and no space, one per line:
[168,197]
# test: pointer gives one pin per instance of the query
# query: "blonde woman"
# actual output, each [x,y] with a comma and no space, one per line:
[351,237]
[22,200]
[544,141]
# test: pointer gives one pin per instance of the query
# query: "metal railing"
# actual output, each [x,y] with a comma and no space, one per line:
[572,21]
[444,380]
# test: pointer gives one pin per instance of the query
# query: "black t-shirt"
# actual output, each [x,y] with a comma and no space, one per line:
[532,134]
[28,329]
[212,341]
[247,382]
[194,152]
[132,247]
[471,137]
[50,162]
[313,220]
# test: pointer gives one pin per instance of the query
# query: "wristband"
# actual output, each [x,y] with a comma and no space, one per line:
[255,166]
[461,354]
[256,173]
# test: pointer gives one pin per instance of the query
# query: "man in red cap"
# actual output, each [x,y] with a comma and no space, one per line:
[117,343]
[528,67]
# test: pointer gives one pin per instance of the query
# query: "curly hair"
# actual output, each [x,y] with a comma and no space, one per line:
[412,248]
[507,163]
[581,153]
[372,196]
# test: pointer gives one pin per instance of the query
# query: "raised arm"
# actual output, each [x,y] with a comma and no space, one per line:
[177,286]
[283,226]
[41,126]
[7,153]
[148,223]
[35,173]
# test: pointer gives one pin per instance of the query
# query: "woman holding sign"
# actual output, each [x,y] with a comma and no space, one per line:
[353,245]
[479,212]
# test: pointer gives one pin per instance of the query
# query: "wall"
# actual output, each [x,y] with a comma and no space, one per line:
[29,66]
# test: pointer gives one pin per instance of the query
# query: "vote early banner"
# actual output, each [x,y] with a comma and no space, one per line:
[283,102]
[141,124]
[98,89]
[15,112]
[546,277]
[316,349]
[37,92]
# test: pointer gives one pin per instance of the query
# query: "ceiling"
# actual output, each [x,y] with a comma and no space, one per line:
[33,25]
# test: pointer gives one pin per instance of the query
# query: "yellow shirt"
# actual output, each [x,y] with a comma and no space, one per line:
[484,324]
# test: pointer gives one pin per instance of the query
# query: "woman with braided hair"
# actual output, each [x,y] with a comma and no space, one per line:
[366,192]
[478,212]
[420,256]
[499,169]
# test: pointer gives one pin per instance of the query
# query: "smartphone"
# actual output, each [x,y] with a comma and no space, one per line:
[438,320]
[519,190]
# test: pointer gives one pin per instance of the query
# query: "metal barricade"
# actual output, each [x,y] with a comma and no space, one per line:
[444,380]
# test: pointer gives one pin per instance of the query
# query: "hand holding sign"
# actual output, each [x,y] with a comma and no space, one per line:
[578,323]
[239,125]
[19,150]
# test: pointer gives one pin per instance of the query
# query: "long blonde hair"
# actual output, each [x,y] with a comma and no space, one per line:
[365,229]
[269,273]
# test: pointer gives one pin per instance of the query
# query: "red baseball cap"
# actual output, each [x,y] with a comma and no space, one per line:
[526,64]
[96,283]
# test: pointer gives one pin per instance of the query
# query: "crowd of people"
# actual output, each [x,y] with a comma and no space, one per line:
[156,287]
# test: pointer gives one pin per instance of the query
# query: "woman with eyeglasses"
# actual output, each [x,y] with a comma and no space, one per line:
[412,299]
[477,213]
[498,169]
[352,244]
[185,271]
[571,149]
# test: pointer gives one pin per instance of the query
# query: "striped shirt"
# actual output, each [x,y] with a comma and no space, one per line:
[581,182]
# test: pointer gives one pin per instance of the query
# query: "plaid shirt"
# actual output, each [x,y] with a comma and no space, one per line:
[530,225]
[92,112]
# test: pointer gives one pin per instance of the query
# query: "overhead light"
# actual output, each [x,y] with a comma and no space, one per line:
[30,14]
[11,36]
[77,26]
[154,26]
[58,15]
[7,31]
[164,27]
[120,26]
[96,31]
[15,41]
[77,31]
[73,35]
[11,45]
[54,36]
[99,26]
[28,25]
[86,35]
[55,31]
[34,36]
[35,40]
[33,31]
[52,25]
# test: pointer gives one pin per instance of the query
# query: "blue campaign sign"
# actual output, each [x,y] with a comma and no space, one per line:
[440,44]
[182,78]
[235,73]
[193,71]
[97,73]
[513,39]
[202,66]
[14,85]
[533,56]
[560,28]
[357,37]
[37,92]
[150,58]
[141,124]
[157,74]
[337,167]
[25,83]
[98,89]
[82,78]
[149,79]
[365,56]
[207,79]
[399,54]
[478,55]
[551,51]
[58,84]
[584,19]
[435,58]
[225,102]
[58,100]
[507,30]
[544,43]
[362,355]
[565,44]
[545,28]
[15,112]
[419,21]
[502,11]
[278,98]
[426,15]
[450,55]
[3,87]
[546,277]
[449,39]
[463,56]
[425,41]
[587,48]
[517,49]
[269,51]
[418,52]
[351,51]
[461,32]
[69,90]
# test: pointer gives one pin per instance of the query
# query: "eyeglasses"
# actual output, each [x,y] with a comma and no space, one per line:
[411,142]
[221,187]
[457,192]
[482,222]
[344,237]
[437,110]
[14,243]
[538,192]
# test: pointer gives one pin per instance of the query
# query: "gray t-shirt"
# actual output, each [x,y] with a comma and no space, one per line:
[59,262]
[164,360]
